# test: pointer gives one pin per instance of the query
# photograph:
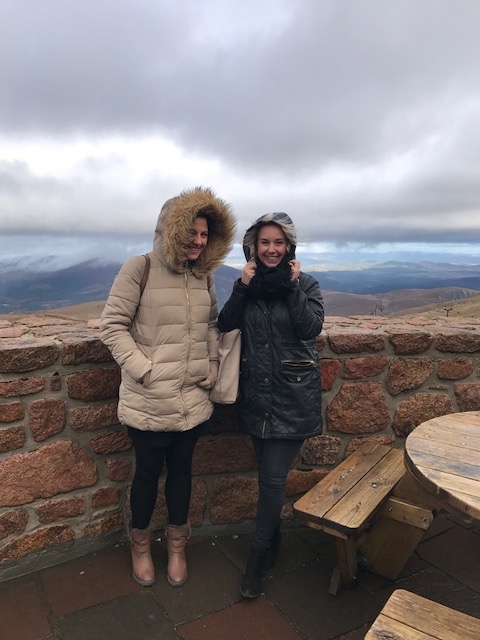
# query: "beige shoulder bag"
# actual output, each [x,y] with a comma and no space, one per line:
[225,390]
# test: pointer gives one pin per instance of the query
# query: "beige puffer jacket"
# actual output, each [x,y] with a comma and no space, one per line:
[173,333]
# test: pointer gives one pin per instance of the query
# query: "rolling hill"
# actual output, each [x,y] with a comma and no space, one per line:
[381,289]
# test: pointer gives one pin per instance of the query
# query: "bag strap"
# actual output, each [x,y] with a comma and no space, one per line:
[145,274]
[143,282]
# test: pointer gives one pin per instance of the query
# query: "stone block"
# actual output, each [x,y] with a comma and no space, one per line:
[368,367]
[118,469]
[321,450]
[408,374]
[104,497]
[34,321]
[21,387]
[355,341]
[13,522]
[56,510]
[46,418]
[410,342]
[11,412]
[359,407]
[94,384]
[58,331]
[467,395]
[111,442]
[300,481]
[233,499]
[94,417]
[354,443]
[36,541]
[55,468]
[223,455]
[455,369]
[12,332]
[329,370]
[419,408]
[27,354]
[12,438]
[458,342]
[84,349]
[107,524]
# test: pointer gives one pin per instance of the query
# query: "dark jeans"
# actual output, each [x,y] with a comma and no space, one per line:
[274,459]
[175,448]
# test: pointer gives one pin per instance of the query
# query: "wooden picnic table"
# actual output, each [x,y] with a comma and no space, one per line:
[442,460]
[443,454]
[379,501]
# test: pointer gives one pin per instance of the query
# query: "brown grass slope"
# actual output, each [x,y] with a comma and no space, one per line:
[397,302]
[469,308]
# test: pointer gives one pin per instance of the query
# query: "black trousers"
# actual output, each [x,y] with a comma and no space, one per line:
[152,450]
[274,459]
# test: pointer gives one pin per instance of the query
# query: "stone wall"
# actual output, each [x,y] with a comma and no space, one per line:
[66,464]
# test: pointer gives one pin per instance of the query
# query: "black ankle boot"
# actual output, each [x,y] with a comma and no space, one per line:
[252,580]
[272,551]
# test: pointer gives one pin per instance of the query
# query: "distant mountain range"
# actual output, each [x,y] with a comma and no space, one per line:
[379,289]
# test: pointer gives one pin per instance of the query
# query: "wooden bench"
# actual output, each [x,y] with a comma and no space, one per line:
[407,616]
[344,502]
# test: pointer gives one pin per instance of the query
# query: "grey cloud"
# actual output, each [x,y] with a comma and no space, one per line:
[337,81]
[279,93]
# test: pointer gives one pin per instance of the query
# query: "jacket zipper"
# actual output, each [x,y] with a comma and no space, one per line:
[189,345]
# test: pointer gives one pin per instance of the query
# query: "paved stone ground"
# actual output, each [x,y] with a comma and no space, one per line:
[95,598]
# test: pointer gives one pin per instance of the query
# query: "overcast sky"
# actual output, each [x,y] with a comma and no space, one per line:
[361,119]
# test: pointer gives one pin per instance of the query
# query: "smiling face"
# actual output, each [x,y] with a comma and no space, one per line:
[198,239]
[271,245]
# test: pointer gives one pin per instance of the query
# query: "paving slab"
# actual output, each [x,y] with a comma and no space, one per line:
[246,620]
[437,585]
[138,616]
[22,613]
[89,580]
[463,552]
[213,583]
[293,551]
[302,596]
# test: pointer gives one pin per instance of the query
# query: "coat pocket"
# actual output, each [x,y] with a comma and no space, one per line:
[296,370]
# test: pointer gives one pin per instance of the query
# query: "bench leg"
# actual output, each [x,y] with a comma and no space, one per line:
[345,574]
[393,538]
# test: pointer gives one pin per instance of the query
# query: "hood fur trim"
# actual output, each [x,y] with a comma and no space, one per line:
[175,224]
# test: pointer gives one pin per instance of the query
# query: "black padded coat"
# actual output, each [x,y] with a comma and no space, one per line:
[280,390]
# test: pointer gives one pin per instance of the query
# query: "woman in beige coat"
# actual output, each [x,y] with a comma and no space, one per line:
[165,342]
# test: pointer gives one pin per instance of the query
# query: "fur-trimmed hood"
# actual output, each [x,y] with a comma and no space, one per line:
[279,218]
[175,224]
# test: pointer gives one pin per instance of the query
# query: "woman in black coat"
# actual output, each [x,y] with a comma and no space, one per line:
[280,312]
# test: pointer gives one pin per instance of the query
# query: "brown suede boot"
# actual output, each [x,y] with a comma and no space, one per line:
[143,570]
[177,536]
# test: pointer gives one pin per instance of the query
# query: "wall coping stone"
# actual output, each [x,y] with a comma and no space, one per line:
[35,324]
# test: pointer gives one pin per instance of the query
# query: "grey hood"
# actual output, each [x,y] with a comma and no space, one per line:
[283,220]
